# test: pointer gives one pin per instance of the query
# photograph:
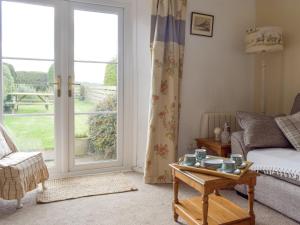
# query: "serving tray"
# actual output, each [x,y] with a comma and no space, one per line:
[214,172]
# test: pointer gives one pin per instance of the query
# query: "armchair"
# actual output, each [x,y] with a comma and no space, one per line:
[20,172]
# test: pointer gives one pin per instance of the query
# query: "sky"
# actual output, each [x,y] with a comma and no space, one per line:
[28,32]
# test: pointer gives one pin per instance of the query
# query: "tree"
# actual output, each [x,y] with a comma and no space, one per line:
[12,70]
[110,78]
[51,74]
[8,84]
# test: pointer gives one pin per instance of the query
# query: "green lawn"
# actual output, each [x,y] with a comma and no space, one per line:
[37,132]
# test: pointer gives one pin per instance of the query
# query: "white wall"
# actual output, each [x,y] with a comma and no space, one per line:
[283,68]
[144,76]
[218,75]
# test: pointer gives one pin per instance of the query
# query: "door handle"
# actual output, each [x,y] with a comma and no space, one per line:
[58,85]
[70,85]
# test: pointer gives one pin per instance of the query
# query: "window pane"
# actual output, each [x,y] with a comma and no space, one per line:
[95,138]
[27,30]
[95,36]
[96,41]
[97,82]
[27,86]
[33,133]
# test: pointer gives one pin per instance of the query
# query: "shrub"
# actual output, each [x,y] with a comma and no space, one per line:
[103,128]
[110,77]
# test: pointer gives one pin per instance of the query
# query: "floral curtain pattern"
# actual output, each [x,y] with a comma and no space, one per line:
[167,47]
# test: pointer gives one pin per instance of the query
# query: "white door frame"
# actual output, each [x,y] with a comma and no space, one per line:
[57,5]
[120,119]
[62,68]
[129,80]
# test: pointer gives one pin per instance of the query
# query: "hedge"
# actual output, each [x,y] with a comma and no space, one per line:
[37,80]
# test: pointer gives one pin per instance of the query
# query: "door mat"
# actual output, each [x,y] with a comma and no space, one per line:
[78,187]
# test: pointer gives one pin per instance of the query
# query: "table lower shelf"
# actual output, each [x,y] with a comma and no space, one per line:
[221,211]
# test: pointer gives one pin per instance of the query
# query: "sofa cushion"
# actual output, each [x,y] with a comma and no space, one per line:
[4,148]
[296,105]
[17,158]
[290,126]
[244,117]
[276,161]
[263,134]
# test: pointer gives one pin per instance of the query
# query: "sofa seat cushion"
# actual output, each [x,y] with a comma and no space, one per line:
[286,179]
[17,158]
[278,162]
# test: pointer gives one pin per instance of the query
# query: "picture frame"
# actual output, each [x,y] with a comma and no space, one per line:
[202,24]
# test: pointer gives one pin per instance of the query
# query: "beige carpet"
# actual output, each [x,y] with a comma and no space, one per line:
[77,187]
[150,205]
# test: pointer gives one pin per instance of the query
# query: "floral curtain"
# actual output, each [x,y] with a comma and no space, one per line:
[167,45]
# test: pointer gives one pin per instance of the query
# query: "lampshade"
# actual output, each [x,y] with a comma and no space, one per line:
[264,39]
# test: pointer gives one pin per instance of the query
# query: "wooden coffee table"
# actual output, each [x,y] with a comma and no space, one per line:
[210,208]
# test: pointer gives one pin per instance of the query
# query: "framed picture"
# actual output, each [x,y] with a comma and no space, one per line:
[202,24]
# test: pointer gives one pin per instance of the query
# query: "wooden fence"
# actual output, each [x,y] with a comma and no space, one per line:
[93,92]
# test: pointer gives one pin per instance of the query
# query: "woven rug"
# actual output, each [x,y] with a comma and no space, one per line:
[77,187]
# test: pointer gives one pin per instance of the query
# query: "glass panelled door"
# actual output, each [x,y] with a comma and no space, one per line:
[62,81]
[28,74]
[95,86]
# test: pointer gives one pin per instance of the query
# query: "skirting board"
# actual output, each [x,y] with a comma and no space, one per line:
[138,169]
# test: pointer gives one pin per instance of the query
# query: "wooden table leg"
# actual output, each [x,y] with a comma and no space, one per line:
[205,208]
[217,192]
[175,196]
[251,202]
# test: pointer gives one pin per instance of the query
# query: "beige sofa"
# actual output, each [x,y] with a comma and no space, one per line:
[20,172]
[276,190]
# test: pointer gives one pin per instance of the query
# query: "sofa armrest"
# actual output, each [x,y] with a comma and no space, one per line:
[237,144]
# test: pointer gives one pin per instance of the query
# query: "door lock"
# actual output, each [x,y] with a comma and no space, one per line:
[70,85]
[58,85]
